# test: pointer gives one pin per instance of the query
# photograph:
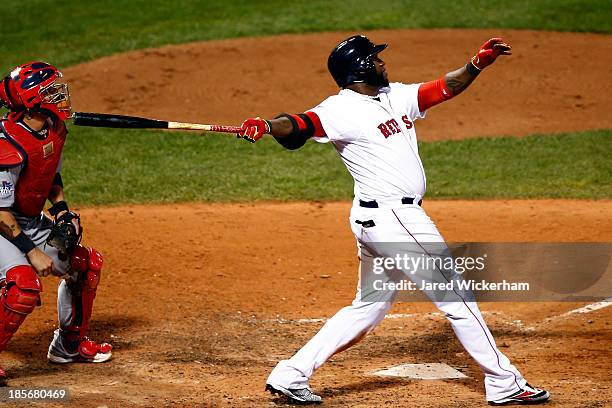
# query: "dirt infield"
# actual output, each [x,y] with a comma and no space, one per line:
[200,301]
[552,83]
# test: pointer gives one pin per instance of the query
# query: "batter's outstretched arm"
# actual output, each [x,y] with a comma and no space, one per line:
[281,127]
[455,82]
[291,131]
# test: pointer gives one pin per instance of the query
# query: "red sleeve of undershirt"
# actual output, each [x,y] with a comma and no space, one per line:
[318,127]
[432,93]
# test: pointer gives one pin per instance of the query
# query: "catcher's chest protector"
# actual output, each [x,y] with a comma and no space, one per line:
[42,157]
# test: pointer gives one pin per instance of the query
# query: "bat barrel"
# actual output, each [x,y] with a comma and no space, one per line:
[116,121]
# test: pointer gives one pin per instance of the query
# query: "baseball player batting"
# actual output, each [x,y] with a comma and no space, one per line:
[32,136]
[371,123]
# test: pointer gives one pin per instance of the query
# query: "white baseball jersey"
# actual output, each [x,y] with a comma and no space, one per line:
[376,139]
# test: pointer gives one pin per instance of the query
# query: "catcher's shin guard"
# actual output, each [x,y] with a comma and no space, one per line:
[87,263]
[18,298]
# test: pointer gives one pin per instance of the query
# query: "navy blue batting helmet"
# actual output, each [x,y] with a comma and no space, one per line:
[353,61]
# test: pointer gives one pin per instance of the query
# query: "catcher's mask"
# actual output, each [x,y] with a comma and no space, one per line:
[37,87]
[352,61]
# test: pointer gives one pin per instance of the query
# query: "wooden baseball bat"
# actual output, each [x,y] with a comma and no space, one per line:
[134,122]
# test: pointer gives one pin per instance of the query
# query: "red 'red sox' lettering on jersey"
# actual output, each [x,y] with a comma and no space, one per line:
[384,130]
[391,127]
[407,122]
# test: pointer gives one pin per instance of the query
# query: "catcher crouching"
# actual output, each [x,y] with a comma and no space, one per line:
[32,136]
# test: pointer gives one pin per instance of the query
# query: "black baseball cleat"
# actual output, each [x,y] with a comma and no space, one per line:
[527,396]
[301,396]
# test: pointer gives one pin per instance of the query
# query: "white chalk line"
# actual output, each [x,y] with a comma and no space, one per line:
[590,308]
[581,310]
[396,316]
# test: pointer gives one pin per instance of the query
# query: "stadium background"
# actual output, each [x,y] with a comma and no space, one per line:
[222,257]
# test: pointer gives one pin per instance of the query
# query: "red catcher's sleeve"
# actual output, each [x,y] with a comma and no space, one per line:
[432,93]
[9,155]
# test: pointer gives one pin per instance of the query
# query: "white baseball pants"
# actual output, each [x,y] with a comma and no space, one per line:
[406,223]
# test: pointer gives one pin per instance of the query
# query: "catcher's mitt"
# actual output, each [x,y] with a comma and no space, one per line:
[64,235]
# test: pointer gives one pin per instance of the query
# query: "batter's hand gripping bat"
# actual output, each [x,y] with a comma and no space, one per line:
[134,122]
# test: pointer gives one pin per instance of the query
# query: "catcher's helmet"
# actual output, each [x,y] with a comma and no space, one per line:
[34,86]
[353,61]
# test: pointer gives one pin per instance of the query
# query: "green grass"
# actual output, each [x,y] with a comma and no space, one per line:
[114,166]
[71,31]
[111,167]
[568,165]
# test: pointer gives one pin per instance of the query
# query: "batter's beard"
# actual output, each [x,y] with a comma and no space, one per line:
[380,80]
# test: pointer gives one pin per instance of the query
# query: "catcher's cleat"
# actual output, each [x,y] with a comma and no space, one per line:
[302,396]
[87,351]
[527,396]
[3,378]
